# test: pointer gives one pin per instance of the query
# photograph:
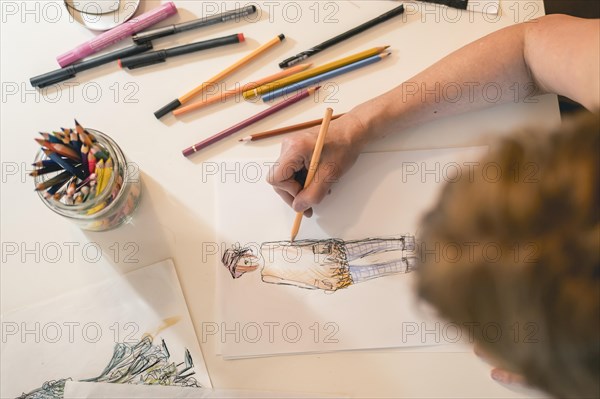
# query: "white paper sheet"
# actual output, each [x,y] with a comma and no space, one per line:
[74,336]
[383,195]
[89,390]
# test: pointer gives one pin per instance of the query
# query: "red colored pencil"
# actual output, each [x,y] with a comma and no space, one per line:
[247,122]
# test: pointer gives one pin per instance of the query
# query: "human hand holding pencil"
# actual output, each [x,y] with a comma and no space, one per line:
[344,142]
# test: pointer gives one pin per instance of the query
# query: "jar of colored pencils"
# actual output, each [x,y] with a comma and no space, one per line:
[83,175]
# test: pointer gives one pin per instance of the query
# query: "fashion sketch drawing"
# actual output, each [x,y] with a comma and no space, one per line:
[140,362]
[327,264]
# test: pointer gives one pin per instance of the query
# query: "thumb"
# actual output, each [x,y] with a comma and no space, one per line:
[311,196]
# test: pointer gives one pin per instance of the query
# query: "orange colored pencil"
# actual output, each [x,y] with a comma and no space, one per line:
[60,149]
[248,86]
[82,134]
[314,164]
[215,79]
[286,129]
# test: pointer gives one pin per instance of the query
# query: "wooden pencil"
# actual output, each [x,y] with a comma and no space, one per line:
[46,169]
[51,138]
[215,79]
[314,164]
[259,91]
[72,169]
[249,121]
[91,163]
[83,136]
[230,93]
[60,149]
[65,138]
[107,175]
[286,129]
[58,179]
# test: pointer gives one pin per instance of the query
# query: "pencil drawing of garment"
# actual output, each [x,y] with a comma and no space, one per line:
[378,257]
[332,264]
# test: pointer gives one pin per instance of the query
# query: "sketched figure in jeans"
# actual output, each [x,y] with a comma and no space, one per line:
[328,264]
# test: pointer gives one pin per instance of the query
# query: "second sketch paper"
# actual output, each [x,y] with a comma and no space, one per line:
[346,283]
[134,329]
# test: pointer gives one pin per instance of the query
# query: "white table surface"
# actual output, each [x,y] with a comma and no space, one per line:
[176,216]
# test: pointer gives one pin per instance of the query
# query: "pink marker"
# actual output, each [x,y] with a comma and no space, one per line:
[117,34]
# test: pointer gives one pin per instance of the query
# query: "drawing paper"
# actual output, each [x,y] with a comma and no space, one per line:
[74,336]
[88,390]
[383,195]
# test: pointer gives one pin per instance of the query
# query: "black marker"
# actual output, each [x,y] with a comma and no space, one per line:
[346,35]
[69,72]
[460,4]
[154,57]
[149,35]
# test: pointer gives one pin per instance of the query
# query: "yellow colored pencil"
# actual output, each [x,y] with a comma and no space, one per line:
[251,85]
[106,175]
[314,164]
[312,72]
[199,89]
[99,176]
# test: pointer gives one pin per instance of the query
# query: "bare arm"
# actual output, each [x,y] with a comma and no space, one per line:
[554,54]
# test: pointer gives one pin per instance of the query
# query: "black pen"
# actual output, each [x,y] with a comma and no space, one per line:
[69,72]
[339,38]
[154,57]
[460,4]
[149,35]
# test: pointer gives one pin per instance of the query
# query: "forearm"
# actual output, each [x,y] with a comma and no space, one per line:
[489,71]
[554,54]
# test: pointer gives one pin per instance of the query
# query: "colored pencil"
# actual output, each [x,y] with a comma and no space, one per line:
[322,77]
[247,122]
[75,143]
[230,93]
[84,151]
[199,89]
[66,139]
[98,153]
[286,129]
[43,163]
[99,175]
[60,178]
[107,174]
[52,190]
[91,163]
[46,169]
[74,170]
[75,161]
[51,138]
[314,164]
[60,149]
[313,72]
[83,136]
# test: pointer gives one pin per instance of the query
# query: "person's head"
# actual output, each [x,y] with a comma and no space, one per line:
[239,261]
[512,252]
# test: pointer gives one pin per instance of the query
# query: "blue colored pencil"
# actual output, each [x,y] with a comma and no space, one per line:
[75,171]
[324,76]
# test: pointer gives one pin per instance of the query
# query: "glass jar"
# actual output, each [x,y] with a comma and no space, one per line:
[117,201]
